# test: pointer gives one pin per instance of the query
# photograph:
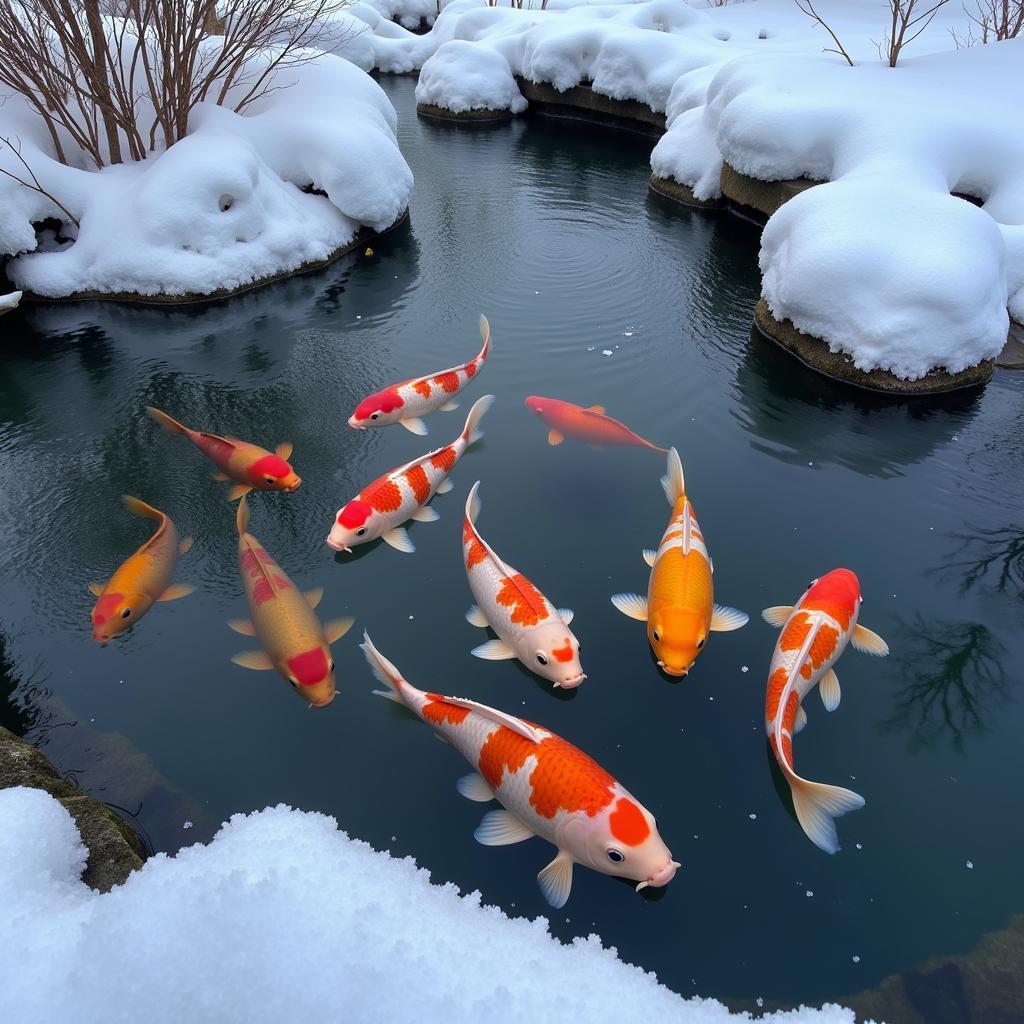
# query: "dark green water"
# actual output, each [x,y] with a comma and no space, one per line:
[549,229]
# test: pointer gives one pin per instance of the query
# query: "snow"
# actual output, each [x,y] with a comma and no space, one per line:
[9,301]
[283,917]
[223,207]
[882,262]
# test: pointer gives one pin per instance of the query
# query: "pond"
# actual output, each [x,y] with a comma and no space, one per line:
[598,293]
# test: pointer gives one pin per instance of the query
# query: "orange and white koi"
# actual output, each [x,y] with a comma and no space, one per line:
[546,787]
[528,625]
[283,620]
[380,509]
[247,464]
[142,579]
[590,425]
[405,403]
[815,632]
[679,608]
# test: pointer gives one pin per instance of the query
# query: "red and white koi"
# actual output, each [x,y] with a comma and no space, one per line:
[380,509]
[246,463]
[528,625]
[292,639]
[405,403]
[815,632]
[546,786]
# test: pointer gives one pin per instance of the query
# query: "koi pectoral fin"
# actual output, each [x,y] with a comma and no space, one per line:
[415,426]
[313,596]
[632,605]
[724,619]
[474,787]
[284,450]
[337,628]
[555,880]
[242,626]
[475,617]
[650,556]
[449,406]
[238,491]
[801,720]
[176,590]
[829,690]
[868,642]
[444,486]
[399,539]
[185,545]
[566,615]
[426,515]
[96,589]
[554,437]
[257,660]
[494,650]
[776,615]
[221,477]
[499,828]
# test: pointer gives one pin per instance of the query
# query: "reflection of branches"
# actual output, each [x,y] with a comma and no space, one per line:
[953,671]
[1001,549]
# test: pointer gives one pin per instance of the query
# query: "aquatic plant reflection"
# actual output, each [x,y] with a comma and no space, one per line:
[953,679]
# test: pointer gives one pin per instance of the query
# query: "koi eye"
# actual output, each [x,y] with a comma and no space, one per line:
[375,416]
[294,683]
[615,856]
[126,614]
[542,658]
[656,635]
[330,665]
[269,479]
[700,643]
[361,531]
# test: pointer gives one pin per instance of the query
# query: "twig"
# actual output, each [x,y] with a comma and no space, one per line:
[35,185]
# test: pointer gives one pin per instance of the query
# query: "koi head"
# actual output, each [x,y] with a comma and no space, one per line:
[311,675]
[379,410]
[836,591]
[622,840]
[677,636]
[542,407]
[553,652]
[356,523]
[115,613]
[272,473]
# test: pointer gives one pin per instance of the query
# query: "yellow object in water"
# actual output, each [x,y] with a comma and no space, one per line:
[368,252]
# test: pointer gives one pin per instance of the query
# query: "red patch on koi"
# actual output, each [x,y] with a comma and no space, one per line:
[448,381]
[419,483]
[269,465]
[439,711]
[628,823]
[563,653]
[382,401]
[422,387]
[776,684]
[384,496]
[444,459]
[354,514]
[477,552]
[471,369]
[310,667]
[795,632]
[105,608]
[524,598]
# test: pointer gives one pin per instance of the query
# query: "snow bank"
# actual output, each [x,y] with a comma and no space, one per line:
[883,262]
[282,917]
[223,207]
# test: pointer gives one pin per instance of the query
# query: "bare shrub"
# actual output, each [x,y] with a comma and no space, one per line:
[121,78]
[30,180]
[908,19]
[992,20]
[807,6]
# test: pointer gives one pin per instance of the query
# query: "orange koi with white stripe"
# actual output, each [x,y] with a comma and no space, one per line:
[815,633]
[291,637]
[405,403]
[679,608]
[528,625]
[393,499]
[546,787]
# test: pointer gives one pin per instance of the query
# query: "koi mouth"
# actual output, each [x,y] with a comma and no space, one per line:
[335,546]
[678,672]
[293,487]
[571,683]
[355,424]
[660,878]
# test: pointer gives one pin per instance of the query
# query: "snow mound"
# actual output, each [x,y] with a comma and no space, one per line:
[227,205]
[282,917]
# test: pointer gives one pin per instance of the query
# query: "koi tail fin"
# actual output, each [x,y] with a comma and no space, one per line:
[473,504]
[472,433]
[141,509]
[485,336]
[168,422]
[817,806]
[672,482]
[386,673]
[242,517]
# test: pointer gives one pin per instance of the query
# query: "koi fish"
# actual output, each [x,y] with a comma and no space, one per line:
[142,579]
[528,625]
[405,403]
[814,633]
[380,509]
[546,786]
[283,620]
[679,610]
[248,464]
[589,425]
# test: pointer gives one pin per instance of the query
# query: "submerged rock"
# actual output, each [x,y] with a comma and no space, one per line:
[115,850]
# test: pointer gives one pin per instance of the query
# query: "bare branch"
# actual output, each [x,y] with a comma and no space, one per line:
[34,184]
[807,6]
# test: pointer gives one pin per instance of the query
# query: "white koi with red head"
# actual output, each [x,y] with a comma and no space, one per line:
[547,787]
[815,632]
[292,639]
[528,625]
[405,403]
[381,509]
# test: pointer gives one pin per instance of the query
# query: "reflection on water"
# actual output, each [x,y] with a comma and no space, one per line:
[998,551]
[952,681]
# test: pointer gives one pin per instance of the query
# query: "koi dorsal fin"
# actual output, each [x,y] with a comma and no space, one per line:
[517,725]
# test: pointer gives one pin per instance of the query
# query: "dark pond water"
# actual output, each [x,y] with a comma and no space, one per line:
[549,229]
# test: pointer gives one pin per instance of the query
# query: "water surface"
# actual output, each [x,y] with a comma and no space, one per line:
[600,294]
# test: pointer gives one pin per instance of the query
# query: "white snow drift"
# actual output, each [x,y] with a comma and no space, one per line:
[883,262]
[223,207]
[284,918]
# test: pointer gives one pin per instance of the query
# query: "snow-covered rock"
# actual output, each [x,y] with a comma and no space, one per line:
[9,301]
[223,207]
[282,917]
